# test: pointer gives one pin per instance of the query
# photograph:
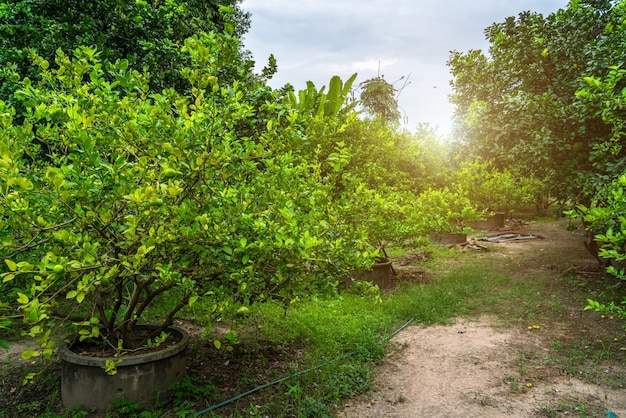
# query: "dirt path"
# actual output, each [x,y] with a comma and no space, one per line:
[471,368]
[465,370]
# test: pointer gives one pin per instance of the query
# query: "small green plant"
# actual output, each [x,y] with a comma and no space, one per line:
[186,390]
[548,411]
[483,399]
[125,407]
[158,340]
[577,407]
[514,384]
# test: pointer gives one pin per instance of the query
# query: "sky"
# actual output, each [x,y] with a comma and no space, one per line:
[312,40]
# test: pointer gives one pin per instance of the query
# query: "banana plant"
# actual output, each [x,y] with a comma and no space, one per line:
[321,103]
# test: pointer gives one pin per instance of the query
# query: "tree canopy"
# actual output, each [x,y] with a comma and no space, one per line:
[378,98]
[148,34]
[547,100]
[517,105]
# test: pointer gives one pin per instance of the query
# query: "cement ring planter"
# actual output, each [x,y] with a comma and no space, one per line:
[380,274]
[495,221]
[448,239]
[139,377]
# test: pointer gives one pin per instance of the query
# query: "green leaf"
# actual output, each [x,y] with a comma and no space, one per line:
[227,250]
[22,298]
[12,266]
[217,344]
[24,266]
[28,354]
[110,367]
[25,183]
[29,378]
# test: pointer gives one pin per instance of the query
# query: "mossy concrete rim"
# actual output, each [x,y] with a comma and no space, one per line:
[66,354]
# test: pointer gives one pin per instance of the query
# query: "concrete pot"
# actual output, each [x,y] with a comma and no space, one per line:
[139,377]
[381,274]
[448,239]
[494,221]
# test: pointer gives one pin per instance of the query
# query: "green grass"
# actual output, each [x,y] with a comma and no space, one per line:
[358,320]
[583,358]
[462,284]
[357,325]
[580,408]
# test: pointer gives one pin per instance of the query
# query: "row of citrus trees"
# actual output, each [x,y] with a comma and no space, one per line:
[115,197]
[547,97]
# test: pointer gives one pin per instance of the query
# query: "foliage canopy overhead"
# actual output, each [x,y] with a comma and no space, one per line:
[148,34]
[517,105]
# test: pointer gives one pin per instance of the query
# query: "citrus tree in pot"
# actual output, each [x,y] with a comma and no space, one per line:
[446,214]
[114,200]
[389,219]
[497,190]
[86,209]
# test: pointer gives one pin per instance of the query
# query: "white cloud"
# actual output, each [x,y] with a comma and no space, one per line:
[316,39]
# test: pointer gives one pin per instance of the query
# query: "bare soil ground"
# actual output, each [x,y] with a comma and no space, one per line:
[466,369]
[497,367]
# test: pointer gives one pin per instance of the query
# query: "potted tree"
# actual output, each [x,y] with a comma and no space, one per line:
[496,191]
[118,206]
[388,216]
[90,206]
[447,215]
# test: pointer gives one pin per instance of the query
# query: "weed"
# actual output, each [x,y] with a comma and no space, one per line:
[125,407]
[582,408]
[514,384]
[348,380]
[548,411]
[187,390]
[482,399]
[524,360]
[312,406]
